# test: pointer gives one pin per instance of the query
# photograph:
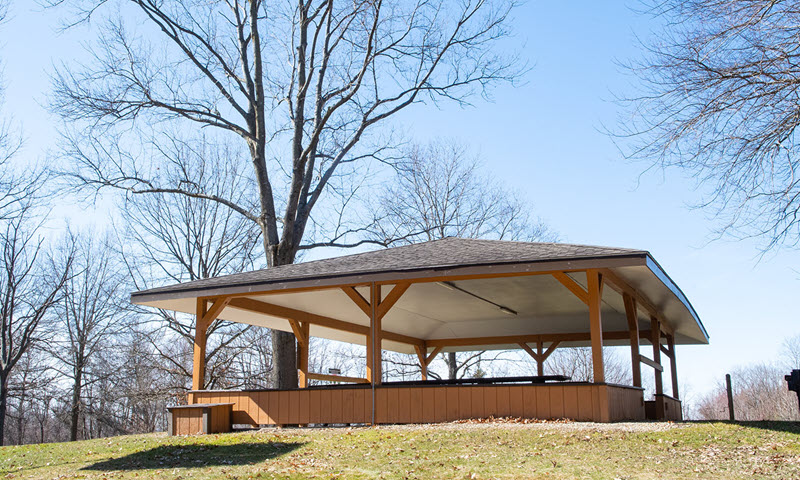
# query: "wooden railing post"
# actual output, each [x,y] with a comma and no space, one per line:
[595,287]
[199,360]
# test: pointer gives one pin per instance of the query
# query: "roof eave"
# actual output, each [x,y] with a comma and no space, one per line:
[659,272]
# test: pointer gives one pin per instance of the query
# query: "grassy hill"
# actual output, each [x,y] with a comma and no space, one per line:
[462,451]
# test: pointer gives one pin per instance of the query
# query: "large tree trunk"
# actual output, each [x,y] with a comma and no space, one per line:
[3,404]
[452,370]
[284,346]
[284,363]
[75,411]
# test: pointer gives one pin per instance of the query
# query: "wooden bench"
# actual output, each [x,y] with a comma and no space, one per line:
[199,418]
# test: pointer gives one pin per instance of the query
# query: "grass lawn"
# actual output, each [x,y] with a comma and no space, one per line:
[461,451]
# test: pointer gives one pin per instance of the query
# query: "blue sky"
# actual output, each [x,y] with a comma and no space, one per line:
[543,138]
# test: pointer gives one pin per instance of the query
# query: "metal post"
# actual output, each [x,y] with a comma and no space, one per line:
[372,337]
[731,415]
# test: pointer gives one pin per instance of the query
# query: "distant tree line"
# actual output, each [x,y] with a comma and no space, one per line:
[759,391]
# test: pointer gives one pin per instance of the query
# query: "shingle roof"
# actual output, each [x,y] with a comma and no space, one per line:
[448,252]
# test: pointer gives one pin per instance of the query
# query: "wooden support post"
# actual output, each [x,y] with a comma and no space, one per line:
[540,360]
[633,328]
[673,368]
[376,308]
[425,359]
[595,284]
[422,352]
[376,332]
[199,361]
[655,339]
[301,333]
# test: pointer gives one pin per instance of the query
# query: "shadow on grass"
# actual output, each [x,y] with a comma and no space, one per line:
[193,456]
[773,425]
[776,426]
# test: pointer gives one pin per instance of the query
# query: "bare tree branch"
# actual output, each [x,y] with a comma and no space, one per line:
[719,99]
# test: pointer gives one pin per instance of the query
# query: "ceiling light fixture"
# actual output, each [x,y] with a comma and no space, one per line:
[453,286]
[507,310]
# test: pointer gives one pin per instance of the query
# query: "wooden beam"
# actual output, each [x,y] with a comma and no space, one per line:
[257,306]
[516,339]
[356,297]
[394,295]
[287,313]
[655,339]
[423,366]
[300,335]
[595,284]
[540,356]
[657,366]
[550,350]
[336,378]
[573,286]
[666,351]
[215,310]
[400,338]
[199,358]
[632,315]
[530,351]
[621,286]
[673,367]
[425,359]
[432,355]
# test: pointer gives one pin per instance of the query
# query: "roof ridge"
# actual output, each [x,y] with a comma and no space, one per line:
[525,242]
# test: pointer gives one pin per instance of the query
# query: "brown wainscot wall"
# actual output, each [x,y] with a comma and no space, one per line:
[428,404]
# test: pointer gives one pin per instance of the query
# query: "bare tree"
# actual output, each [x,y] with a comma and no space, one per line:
[30,386]
[719,99]
[759,393]
[176,238]
[29,281]
[790,352]
[304,85]
[141,391]
[30,284]
[576,363]
[89,315]
[440,191]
